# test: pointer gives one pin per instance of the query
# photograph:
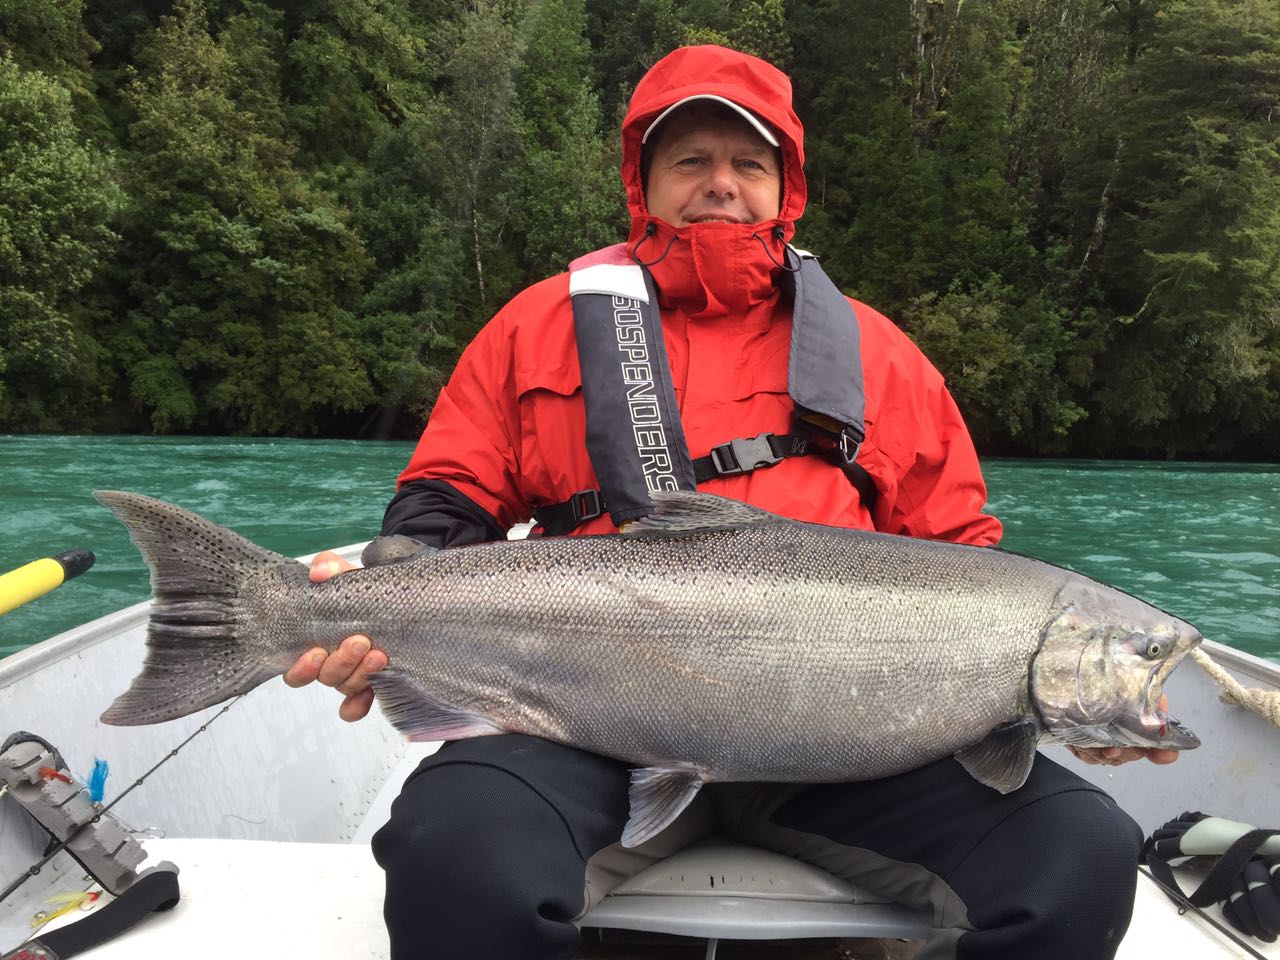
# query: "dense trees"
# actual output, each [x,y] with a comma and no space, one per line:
[57,201]
[283,216]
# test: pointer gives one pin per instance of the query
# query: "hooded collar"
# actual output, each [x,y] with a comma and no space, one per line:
[711,269]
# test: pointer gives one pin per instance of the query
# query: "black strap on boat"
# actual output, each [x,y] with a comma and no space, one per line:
[1180,899]
[1229,882]
[1219,882]
[154,891]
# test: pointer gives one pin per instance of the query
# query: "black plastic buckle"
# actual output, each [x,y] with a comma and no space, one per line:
[586,505]
[740,456]
[849,444]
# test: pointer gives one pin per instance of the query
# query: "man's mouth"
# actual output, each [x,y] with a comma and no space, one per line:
[712,218]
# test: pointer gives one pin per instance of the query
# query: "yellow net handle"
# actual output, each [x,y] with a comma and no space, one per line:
[38,577]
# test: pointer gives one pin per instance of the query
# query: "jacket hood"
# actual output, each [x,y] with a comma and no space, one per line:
[711,71]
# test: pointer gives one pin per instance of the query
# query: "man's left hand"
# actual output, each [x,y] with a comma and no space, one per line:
[1114,756]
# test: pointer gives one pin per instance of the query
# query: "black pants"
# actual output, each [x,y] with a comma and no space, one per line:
[487,846]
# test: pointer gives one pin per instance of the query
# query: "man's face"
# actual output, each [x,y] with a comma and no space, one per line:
[709,166]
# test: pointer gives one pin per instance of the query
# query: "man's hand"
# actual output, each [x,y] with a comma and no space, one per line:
[347,669]
[1114,756]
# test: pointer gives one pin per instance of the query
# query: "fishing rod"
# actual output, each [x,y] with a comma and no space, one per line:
[1186,906]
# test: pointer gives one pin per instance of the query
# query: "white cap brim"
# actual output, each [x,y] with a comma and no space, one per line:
[759,125]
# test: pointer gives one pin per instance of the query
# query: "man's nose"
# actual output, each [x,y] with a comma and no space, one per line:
[722,180]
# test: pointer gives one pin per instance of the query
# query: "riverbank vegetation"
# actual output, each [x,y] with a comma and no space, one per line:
[287,216]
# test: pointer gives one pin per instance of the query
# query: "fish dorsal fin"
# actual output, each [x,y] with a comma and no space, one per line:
[1003,759]
[380,551]
[421,717]
[677,512]
[658,796]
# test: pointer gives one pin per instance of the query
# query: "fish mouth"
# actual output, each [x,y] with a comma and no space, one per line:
[1142,719]
[1153,727]
[1154,730]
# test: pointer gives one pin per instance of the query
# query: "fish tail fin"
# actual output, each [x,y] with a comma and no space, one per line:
[195,651]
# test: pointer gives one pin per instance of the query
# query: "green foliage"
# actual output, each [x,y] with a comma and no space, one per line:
[49,36]
[627,39]
[1002,359]
[56,203]
[760,29]
[257,216]
[1191,265]
[242,279]
[350,67]
[570,197]
[409,321]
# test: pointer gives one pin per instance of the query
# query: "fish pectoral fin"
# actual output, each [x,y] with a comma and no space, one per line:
[420,716]
[1003,758]
[658,796]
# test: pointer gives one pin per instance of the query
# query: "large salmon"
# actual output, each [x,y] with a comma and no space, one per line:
[709,641]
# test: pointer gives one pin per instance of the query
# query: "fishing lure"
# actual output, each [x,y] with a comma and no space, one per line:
[70,903]
[98,780]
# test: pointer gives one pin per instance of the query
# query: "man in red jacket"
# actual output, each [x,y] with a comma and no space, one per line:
[778,392]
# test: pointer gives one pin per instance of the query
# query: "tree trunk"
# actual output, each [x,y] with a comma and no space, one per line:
[475,240]
[1095,238]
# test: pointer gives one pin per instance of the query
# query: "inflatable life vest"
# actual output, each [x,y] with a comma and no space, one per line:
[634,436]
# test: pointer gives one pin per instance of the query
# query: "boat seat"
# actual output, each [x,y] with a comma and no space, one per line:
[722,890]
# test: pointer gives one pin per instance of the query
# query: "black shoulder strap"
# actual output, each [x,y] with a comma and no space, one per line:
[824,373]
[634,435]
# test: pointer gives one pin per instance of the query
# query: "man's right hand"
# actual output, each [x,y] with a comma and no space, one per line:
[347,668]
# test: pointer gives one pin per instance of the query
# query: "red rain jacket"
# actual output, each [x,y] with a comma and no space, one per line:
[509,428]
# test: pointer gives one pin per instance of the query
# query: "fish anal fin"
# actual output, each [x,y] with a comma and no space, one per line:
[420,716]
[1002,760]
[658,796]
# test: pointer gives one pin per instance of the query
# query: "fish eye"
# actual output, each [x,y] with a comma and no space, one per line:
[1154,649]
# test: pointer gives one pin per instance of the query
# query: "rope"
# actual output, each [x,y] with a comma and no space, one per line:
[1265,703]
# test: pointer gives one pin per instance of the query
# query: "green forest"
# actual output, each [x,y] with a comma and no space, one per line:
[289,216]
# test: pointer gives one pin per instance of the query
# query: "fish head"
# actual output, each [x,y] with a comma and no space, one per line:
[1098,677]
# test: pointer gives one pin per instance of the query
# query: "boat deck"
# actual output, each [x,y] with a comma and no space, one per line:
[323,900]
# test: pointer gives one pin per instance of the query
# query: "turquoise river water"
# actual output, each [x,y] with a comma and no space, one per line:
[1199,540]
